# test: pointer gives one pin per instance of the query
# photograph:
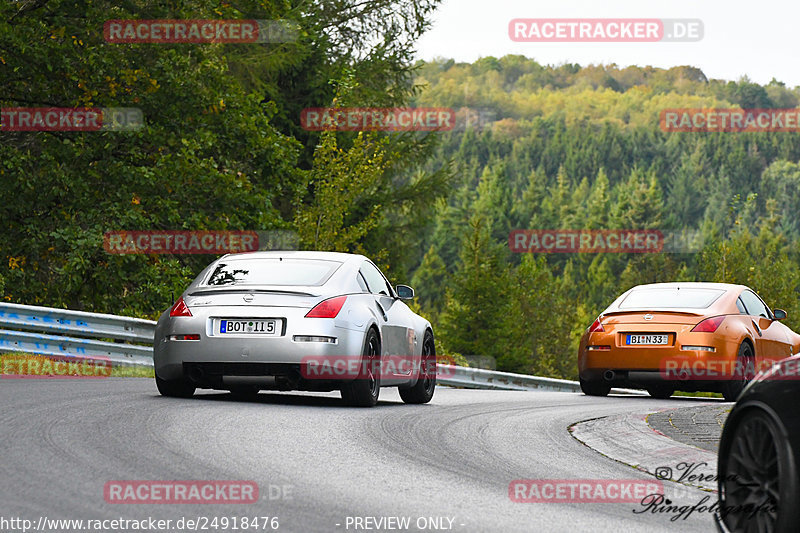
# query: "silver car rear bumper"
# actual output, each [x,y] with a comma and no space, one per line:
[173,357]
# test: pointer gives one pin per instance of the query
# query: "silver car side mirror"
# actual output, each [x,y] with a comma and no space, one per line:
[404,292]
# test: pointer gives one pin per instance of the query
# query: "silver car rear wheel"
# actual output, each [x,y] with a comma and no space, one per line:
[423,390]
[174,388]
[365,389]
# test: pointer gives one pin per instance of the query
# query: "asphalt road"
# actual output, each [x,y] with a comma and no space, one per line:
[316,463]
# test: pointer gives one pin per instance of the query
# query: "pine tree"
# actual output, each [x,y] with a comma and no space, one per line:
[598,203]
[494,201]
[537,324]
[527,212]
[429,281]
[477,300]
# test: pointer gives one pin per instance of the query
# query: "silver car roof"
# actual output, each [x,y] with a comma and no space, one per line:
[298,254]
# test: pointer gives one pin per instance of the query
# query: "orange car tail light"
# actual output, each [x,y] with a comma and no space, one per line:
[709,325]
[596,326]
[596,348]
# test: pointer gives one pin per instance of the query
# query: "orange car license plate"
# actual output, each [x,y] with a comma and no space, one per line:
[636,340]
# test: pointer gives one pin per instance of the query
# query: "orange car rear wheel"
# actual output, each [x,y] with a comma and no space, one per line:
[662,392]
[595,388]
[745,363]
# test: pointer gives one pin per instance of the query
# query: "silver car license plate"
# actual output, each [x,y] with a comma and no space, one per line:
[256,327]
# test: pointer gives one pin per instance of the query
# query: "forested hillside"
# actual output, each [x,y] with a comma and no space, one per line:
[572,147]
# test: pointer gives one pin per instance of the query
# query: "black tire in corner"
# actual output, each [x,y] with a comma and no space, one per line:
[174,388]
[745,371]
[594,388]
[423,389]
[758,476]
[365,389]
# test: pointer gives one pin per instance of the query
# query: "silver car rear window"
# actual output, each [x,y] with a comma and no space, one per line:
[672,297]
[272,271]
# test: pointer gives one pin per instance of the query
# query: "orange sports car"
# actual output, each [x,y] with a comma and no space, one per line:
[665,337]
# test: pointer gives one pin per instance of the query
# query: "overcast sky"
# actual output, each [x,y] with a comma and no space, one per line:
[760,39]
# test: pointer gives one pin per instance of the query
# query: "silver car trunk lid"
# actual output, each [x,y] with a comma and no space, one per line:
[304,297]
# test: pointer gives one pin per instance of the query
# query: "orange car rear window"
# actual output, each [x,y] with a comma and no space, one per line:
[671,298]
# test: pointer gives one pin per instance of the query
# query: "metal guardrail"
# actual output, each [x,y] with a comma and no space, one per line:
[63,332]
[478,378]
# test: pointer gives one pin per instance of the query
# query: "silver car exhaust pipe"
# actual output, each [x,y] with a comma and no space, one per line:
[196,374]
[609,375]
[264,382]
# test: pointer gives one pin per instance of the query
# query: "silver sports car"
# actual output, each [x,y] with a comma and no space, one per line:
[318,321]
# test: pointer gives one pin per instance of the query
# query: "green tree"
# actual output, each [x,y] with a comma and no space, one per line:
[429,280]
[477,300]
[341,180]
[538,323]
[598,203]
[763,262]
[494,201]
[526,213]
